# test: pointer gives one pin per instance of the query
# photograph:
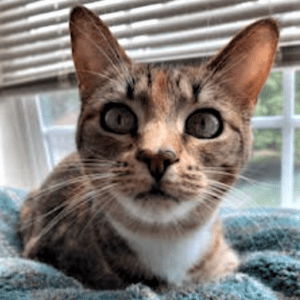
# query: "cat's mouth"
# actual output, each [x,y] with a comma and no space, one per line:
[155,193]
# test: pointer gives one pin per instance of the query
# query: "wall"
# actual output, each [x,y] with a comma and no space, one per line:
[16,169]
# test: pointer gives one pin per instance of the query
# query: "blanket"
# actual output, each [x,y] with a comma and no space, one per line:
[267,240]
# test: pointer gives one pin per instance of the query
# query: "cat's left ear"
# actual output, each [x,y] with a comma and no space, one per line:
[94,49]
[243,66]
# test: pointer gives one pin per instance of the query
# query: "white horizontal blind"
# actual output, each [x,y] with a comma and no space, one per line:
[35,43]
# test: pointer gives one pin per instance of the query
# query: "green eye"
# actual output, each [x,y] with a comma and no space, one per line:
[204,124]
[118,118]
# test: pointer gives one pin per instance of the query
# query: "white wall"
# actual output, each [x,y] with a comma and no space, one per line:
[15,169]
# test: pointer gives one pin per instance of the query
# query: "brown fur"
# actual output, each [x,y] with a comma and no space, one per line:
[73,220]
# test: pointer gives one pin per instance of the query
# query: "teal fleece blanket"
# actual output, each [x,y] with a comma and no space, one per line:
[268,242]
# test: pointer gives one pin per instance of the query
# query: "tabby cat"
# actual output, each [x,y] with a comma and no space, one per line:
[158,147]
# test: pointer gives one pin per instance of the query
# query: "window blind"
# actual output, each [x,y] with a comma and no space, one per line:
[35,43]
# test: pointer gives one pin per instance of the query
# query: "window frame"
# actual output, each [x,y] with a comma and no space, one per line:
[288,122]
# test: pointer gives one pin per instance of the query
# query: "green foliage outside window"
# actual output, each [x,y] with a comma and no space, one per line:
[297,104]
[270,104]
[270,99]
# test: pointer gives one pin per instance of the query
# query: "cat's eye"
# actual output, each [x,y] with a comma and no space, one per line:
[204,124]
[118,118]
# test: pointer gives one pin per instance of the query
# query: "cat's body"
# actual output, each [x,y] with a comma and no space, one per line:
[102,253]
[158,148]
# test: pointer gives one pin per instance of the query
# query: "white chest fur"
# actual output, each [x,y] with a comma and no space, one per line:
[170,258]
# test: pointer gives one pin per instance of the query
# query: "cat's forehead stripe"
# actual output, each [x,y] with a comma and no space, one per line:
[160,90]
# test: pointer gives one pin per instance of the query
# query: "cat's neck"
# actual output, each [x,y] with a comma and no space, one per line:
[171,257]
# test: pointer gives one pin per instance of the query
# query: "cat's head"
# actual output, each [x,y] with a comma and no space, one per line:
[171,140]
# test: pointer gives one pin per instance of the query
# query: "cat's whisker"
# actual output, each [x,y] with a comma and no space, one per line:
[220,189]
[103,200]
[244,198]
[61,185]
[108,205]
[55,188]
[236,169]
[52,211]
[101,160]
[103,164]
[43,216]
[75,203]
[226,187]
[211,197]
[239,176]
[240,195]
[209,201]
[92,166]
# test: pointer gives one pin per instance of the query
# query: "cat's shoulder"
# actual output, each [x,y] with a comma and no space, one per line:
[62,179]
[72,160]
[71,165]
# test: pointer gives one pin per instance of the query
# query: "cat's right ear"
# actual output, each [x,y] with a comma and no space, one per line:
[94,49]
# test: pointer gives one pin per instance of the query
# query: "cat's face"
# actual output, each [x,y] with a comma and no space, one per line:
[169,139]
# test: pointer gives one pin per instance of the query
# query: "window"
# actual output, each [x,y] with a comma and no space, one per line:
[58,113]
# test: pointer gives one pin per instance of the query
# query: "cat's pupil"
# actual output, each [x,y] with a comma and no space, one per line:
[119,119]
[205,123]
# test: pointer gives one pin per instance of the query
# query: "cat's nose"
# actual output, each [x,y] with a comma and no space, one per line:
[157,163]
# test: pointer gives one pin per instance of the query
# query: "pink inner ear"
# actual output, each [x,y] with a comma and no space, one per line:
[256,70]
[244,65]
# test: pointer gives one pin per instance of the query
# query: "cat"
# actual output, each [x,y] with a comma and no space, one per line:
[158,147]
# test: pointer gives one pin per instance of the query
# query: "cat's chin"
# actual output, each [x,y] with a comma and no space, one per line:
[150,209]
[156,194]
[156,206]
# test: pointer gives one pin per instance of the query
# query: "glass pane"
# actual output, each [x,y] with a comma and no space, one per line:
[259,184]
[60,146]
[60,108]
[270,99]
[297,166]
[297,104]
